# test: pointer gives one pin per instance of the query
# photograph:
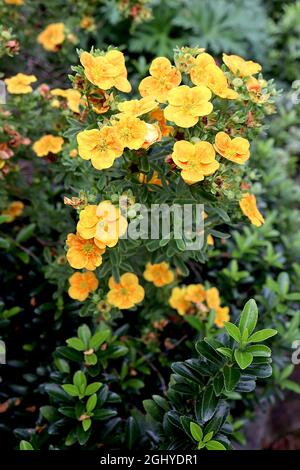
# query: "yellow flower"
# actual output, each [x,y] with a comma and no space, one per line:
[126,293]
[52,37]
[249,209]
[20,84]
[187,104]
[48,144]
[206,72]
[104,223]
[241,67]
[163,77]
[159,273]
[195,160]
[73,98]
[73,153]
[255,87]
[131,131]
[106,71]
[14,2]
[213,298]
[102,146]
[236,150]
[138,107]
[222,316]
[81,284]
[83,253]
[178,300]
[15,209]
[195,293]
[210,240]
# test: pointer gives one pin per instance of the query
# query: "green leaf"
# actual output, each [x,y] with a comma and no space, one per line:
[196,431]
[71,390]
[104,414]
[84,334]
[92,388]
[259,350]
[86,424]
[227,352]
[262,335]
[249,317]
[231,378]
[244,359]
[25,233]
[215,445]
[131,432]
[233,331]
[25,445]
[284,283]
[76,343]
[208,404]
[99,338]
[79,380]
[290,385]
[208,436]
[91,403]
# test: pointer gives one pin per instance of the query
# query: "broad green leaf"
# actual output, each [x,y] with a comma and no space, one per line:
[249,316]
[259,350]
[196,431]
[76,343]
[215,445]
[91,403]
[99,338]
[208,404]
[86,424]
[231,378]
[227,352]
[244,359]
[92,388]
[208,436]
[79,379]
[25,445]
[262,335]
[25,233]
[71,390]
[290,385]
[284,283]
[233,331]
[84,334]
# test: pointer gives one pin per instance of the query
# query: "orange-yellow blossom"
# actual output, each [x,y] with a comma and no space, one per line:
[20,84]
[81,285]
[52,37]
[102,146]
[236,150]
[48,144]
[249,209]
[240,66]
[163,77]
[83,253]
[159,273]
[126,293]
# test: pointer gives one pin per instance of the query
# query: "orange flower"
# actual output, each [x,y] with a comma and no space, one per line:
[102,146]
[73,98]
[48,144]
[160,274]
[138,107]
[14,2]
[83,253]
[87,22]
[255,88]
[206,72]
[195,160]
[195,293]
[81,284]
[100,101]
[126,293]
[222,316]
[153,180]
[104,223]
[236,150]
[210,240]
[52,37]
[178,300]
[158,115]
[163,77]
[107,70]
[187,104]
[249,209]
[20,84]
[241,67]
[131,131]
[15,209]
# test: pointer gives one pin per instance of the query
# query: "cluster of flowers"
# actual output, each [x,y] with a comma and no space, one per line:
[195,299]
[166,108]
